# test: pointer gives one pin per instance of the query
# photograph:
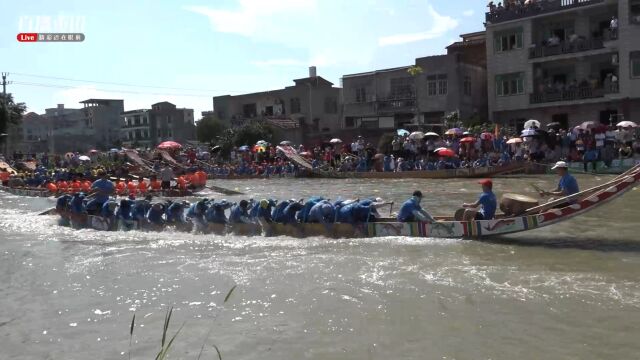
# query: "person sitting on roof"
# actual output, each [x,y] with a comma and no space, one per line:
[411,211]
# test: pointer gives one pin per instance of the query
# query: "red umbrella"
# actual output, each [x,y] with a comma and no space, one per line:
[446,153]
[468,139]
[169,145]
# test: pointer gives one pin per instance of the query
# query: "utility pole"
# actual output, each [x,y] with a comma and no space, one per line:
[4,84]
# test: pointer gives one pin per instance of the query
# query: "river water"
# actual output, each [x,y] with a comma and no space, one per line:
[569,291]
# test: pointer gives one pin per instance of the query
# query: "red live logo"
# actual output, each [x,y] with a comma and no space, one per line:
[28,37]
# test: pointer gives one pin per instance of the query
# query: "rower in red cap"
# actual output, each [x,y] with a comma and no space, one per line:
[487,203]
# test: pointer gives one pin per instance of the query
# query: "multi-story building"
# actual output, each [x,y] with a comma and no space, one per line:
[305,112]
[103,116]
[68,130]
[136,129]
[377,101]
[167,122]
[565,61]
[146,128]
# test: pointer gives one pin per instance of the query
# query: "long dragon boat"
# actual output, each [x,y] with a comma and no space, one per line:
[41,192]
[445,227]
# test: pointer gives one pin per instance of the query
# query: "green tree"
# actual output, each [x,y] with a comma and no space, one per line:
[252,133]
[209,128]
[10,112]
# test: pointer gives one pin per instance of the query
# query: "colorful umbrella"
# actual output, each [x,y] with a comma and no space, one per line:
[335,141]
[516,140]
[468,139]
[416,135]
[486,136]
[169,145]
[258,148]
[588,125]
[402,132]
[446,153]
[626,124]
[454,131]
[532,124]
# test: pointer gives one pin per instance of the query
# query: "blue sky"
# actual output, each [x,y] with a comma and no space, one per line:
[187,51]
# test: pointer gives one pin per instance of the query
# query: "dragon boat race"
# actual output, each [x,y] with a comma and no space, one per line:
[425,180]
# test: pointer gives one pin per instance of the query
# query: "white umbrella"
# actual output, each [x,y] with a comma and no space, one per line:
[528,132]
[531,124]
[416,135]
[286,143]
[84,158]
[262,143]
[335,141]
[588,125]
[402,132]
[514,141]
[440,148]
[626,124]
[431,134]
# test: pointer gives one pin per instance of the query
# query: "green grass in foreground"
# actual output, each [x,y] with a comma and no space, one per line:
[166,346]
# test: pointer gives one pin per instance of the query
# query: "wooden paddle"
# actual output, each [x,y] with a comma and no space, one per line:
[550,204]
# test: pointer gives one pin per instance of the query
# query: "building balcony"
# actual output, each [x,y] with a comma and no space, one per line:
[579,93]
[566,47]
[138,126]
[396,106]
[497,15]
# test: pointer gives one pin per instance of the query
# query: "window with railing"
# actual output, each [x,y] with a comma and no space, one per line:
[508,40]
[510,84]
[634,60]
[442,84]
[432,85]
[361,94]
[402,88]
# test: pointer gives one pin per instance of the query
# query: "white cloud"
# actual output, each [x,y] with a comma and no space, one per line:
[441,25]
[468,12]
[278,62]
[252,16]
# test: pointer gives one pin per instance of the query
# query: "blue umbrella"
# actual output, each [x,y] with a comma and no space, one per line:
[403,132]
[244,148]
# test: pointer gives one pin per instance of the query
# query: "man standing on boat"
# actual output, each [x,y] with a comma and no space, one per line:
[487,203]
[102,188]
[567,186]
[165,176]
[411,211]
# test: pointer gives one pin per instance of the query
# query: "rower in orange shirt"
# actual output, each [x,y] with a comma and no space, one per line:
[182,183]
[86,186]
[142,186]
[201,176]
[63,187]
[76,186]
[4,177]
[121,187]
[52,188]
[132,188]
[156,185]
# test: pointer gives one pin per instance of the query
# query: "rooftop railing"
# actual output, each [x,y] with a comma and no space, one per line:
[533,8]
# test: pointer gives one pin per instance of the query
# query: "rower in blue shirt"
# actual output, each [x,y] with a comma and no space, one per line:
[155,213]
[278,211]
[487,203]
[239,213]
[264,210]
[411,210]
[289,212]
[175,212]
[323,212]
[196,213]
[124,210]
[216,212]
[62,203]
[567,186]
[77,203]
